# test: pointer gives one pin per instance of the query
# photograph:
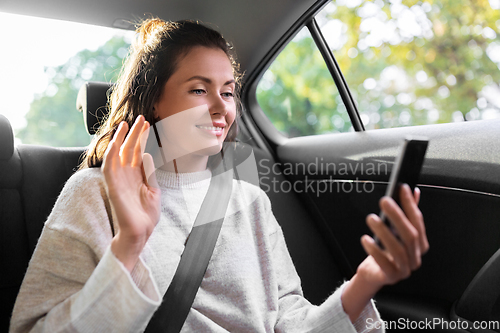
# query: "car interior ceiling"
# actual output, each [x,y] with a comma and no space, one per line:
[461,178]
[232,18]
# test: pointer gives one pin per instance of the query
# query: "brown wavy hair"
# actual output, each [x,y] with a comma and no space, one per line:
[154,56]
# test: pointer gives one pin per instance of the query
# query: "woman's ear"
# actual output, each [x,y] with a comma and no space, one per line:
[155,115]
[156,118]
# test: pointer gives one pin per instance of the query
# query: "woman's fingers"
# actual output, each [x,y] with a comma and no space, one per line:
[409,224]
[406,232]
[415,216]
[128,147]
[395,251]
[140,145]
[416,195]
[121,133]
[149,171]
[402,252]
[111,156]
[144,136]
[385,263]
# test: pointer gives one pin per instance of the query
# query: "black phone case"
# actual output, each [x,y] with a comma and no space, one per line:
[406,170]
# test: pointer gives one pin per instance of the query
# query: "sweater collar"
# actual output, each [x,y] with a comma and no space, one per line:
[168,179]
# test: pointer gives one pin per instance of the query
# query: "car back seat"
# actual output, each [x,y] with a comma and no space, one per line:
[31,178]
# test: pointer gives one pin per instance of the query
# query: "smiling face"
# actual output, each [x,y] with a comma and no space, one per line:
[197,105]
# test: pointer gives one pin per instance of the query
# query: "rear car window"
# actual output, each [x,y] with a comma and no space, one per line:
[406,63]
[298,94]
[47,63]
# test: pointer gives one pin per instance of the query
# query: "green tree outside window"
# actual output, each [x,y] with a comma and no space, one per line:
[406,63]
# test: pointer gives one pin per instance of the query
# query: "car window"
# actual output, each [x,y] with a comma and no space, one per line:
[406,63]
[298,93]
[417,62]
[46,67]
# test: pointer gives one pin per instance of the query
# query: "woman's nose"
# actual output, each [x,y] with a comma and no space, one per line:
[218,106]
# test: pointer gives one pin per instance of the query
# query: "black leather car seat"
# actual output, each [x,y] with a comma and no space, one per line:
[14,248]
[31,178]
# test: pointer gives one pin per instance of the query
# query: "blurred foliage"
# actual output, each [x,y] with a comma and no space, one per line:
[406,63]
[53,118]
[298,94]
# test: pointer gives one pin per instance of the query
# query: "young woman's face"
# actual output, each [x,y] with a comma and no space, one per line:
[197,105]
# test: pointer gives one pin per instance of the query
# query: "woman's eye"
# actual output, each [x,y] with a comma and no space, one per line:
[198,91]
[227,94]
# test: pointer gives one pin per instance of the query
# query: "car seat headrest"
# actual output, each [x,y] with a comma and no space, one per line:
[6,139]
[92,101]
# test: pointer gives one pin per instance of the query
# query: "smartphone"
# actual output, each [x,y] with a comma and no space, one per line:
[406,170]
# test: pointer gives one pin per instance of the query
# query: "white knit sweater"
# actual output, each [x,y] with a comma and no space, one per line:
[74,283]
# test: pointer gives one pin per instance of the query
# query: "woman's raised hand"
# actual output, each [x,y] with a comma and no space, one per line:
[136,201]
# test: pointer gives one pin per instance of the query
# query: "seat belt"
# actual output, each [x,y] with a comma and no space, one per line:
[177,301]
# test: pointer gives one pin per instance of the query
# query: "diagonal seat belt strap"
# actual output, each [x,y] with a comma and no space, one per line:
[177,301]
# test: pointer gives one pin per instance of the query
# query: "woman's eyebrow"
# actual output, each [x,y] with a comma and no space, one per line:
[207,80]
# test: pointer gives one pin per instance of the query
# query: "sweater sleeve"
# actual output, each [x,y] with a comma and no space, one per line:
[74,283]
[296,314]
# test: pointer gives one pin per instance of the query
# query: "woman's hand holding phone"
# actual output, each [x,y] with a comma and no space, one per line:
[399,239]
[401,254]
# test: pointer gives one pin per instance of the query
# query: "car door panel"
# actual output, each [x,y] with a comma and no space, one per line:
[344,176]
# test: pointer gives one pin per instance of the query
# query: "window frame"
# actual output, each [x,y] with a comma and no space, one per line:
[258,124]
[336,74]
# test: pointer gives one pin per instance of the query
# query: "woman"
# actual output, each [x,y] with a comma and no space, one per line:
[111,245]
